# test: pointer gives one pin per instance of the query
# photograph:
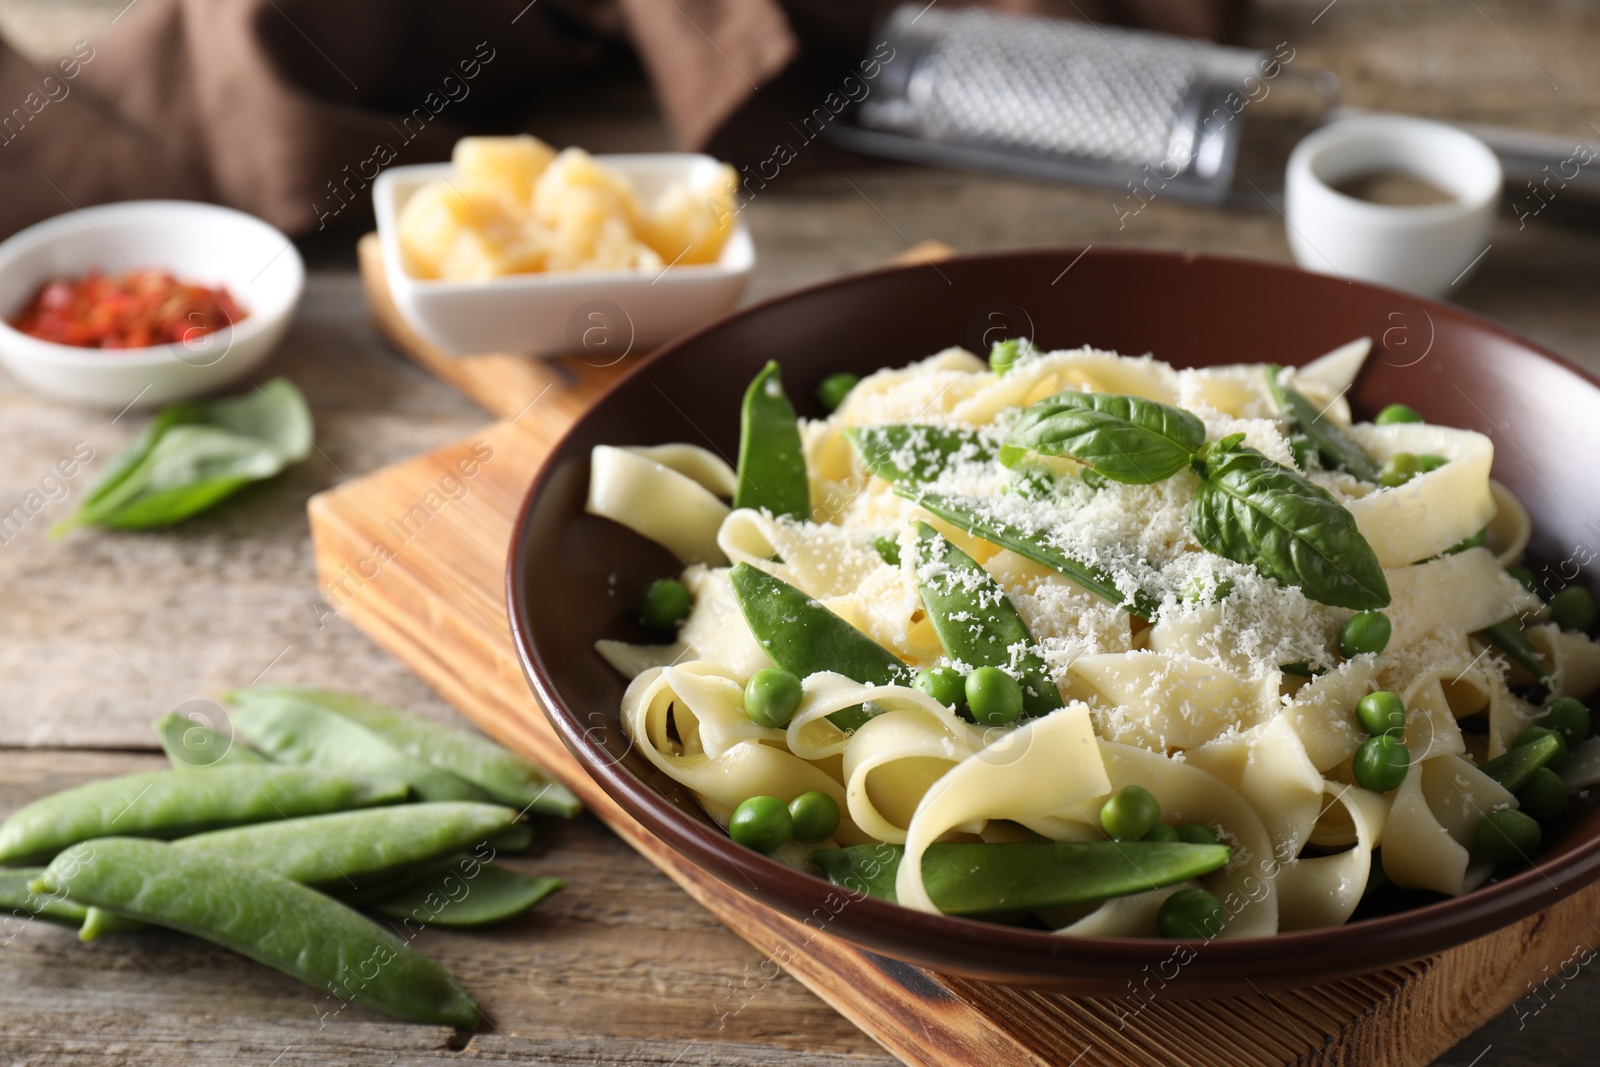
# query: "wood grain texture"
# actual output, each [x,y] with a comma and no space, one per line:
[440,608]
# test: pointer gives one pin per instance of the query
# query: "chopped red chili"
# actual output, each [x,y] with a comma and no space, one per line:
[132,310]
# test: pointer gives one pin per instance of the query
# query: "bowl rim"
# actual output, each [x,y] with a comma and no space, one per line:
[40,234]
[737,258]
[995,951]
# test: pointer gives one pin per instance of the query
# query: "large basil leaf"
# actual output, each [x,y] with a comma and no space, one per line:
[976,624]
[1126,438]
[772,461]
[1335,447]
[1030,545]
[900,452]
[193,455]
[1257,512]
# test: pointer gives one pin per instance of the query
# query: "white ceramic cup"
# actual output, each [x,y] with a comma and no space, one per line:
[1427,248]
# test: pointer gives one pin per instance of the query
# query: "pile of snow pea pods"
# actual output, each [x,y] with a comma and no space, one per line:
[274,848]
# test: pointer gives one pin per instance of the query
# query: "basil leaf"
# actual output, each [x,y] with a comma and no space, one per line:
[1507,635]
[803,637]
[1032,546]
[976,624]
[901,452]
[1125,438]
[1335,447]
[1254,511]
[193,455]
[772,462]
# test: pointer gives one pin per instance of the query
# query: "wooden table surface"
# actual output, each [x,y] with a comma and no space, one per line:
[101,632]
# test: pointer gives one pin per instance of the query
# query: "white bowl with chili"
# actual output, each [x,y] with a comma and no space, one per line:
[145,302]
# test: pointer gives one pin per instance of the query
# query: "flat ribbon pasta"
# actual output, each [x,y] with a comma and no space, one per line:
[652,499]
[1162,701]
[1318,891]
[1432,823]
[1435,509]
[1466,591]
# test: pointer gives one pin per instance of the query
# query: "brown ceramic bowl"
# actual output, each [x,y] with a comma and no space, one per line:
[573,578]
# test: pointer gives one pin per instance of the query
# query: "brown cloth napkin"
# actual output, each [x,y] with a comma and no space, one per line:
[288,108]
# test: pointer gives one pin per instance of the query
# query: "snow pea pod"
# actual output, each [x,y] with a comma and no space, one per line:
[976,624]
[176,803]
[501,774]
[989,878]
[346,849]
[1513,768]
[291,729]
[772,462]
[465,892]
[272,920]
[190,746]
[1031,546]
[908,452]
[803,637]
[23,903]
[1507,635]
[1335,446]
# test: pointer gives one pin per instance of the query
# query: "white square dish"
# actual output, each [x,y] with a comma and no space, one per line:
[604,312]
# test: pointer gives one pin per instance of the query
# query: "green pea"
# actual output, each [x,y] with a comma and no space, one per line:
[663,604]
[503,775]
[943,684]
[1164,832]
[1397,413]
[1545,795]
[1190,915]
[1526,577]
[1381,713]
[1003,355]
[1196,833]
[1381,763]
[1365,632]
[832,390]
[274,921]
[761,823]
[1567,716]
[815,815]
[1130,813]
[993,696]
[175,803]
[1533,733]
[771,697]
[1508,836]
[1431,462]
[1573,609]
[1399,469]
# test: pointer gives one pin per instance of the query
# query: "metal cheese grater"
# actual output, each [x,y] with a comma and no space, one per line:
[1056,99]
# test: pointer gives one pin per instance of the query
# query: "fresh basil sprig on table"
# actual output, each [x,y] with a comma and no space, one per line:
[1125,438]
[1253,510]
[193,455]
[1336,448]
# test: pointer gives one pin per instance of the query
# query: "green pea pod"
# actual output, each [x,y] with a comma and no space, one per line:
[1513,768]
[1507,635]
[803,637]
[272,920]
[1254,511]
[517,837]
[501,774]
[192,747]
[1125,438]
[772,462]
[990,878]
[344,850]
[17,898]
[976,624]
[177,803]
[466,892]
[292,729]
[1335,446]
[906,452]
[1032,546]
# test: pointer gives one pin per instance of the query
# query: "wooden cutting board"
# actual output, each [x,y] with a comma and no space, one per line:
[422,573]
